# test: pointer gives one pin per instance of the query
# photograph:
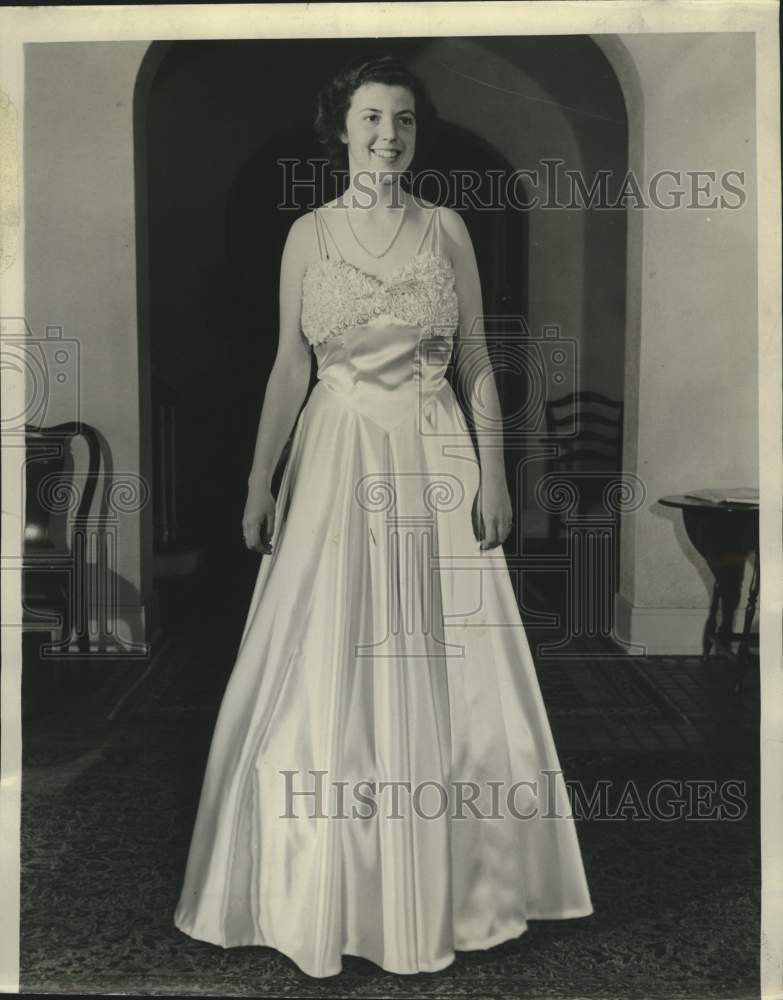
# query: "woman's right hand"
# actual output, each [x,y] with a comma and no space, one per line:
[258,520]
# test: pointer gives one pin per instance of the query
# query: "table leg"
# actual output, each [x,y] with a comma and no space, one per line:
[750,612]
[710,624]
[725,544]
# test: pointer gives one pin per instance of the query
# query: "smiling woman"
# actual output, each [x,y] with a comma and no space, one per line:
[348,100]
[383,647]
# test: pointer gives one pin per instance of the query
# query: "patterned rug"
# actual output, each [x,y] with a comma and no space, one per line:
[108,809]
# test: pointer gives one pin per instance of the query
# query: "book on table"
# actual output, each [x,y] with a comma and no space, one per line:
[739,494]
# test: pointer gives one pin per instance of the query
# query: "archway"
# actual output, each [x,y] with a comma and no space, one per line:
[206,113]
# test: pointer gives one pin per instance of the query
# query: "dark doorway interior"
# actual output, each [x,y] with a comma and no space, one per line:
[213,120]
[215,237]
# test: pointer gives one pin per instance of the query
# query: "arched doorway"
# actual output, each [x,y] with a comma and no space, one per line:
[212,117]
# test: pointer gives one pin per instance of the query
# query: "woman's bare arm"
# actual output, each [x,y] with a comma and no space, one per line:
[290,375]
[285,390]
[475,375]
[472,362]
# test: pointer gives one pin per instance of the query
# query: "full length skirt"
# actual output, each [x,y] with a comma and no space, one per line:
[382,779]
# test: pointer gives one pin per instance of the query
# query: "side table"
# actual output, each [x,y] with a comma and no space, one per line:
[725,535]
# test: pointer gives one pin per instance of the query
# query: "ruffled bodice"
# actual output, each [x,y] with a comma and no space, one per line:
[337,295]
[382,345]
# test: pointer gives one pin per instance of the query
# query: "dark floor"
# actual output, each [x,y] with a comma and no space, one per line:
[111,782]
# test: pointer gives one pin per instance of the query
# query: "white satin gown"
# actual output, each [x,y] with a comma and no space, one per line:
[383,671]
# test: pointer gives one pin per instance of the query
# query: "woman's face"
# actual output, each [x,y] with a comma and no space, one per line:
[380,130]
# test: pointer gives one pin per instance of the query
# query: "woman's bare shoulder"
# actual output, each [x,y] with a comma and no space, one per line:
[445,214]
[453,227]
[302,239]
[302,224]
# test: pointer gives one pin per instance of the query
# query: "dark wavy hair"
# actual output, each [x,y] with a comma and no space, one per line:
[334,100]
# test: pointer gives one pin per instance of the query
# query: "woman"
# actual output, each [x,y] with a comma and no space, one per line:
[382,779]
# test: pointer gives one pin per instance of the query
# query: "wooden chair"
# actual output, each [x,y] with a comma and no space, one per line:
[55,579]
[588,427]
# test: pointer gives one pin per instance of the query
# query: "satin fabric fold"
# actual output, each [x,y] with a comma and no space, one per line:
[381,646]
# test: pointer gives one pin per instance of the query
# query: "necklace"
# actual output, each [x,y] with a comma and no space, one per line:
[388,248]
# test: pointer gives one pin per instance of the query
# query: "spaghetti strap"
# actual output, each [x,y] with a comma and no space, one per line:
[323,231]
[319,235]
[427,229]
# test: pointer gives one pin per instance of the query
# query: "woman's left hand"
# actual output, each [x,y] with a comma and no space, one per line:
[493,514]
